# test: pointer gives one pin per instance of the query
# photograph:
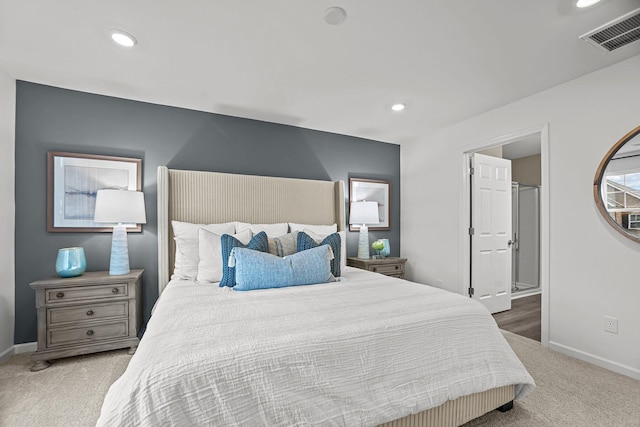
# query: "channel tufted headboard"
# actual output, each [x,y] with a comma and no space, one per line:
[213,197]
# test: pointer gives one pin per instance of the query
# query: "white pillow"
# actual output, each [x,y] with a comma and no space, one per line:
[210,252]
[185,235]
[343,243]
[323,230]
[272,230]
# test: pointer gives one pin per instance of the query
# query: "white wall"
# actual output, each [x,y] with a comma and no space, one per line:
[7,211]
[593,270]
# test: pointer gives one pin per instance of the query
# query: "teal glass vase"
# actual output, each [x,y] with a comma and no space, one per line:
[71,262]
[386,251]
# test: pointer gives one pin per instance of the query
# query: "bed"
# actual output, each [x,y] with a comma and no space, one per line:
[362,351]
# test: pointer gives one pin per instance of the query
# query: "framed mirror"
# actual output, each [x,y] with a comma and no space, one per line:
[616,186]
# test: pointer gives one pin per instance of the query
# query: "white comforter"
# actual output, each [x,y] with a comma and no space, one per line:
[358,352]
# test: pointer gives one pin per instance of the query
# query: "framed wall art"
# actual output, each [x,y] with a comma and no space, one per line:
[376,191]
[73,181]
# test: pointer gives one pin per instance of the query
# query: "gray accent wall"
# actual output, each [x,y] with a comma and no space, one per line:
[54,119]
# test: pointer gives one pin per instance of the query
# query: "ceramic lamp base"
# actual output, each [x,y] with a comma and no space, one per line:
[119,264]
[363,243]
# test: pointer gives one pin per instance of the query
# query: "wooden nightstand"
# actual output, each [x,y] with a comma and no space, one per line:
[86,314]
[389,266]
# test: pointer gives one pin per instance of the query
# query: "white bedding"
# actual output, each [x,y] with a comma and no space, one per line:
[358,352]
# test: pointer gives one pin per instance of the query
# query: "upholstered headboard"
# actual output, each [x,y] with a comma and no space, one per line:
[212,197]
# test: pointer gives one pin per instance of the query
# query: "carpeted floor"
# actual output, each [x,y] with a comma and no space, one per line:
[68,393]
[569,392]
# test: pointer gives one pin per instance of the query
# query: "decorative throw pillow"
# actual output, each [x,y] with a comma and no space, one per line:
[210,252]
[258,270]
[185,235]
[286,245]
[343,247]
[259,242]
[273,248]
[306,242]
[319,232]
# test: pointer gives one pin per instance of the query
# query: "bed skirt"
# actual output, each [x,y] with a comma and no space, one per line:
[457,412]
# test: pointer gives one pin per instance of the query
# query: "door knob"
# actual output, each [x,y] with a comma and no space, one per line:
[510,242]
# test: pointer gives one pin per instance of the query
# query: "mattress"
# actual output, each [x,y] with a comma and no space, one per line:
[362,351]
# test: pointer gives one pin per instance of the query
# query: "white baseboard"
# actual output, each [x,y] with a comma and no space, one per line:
[596,360]
[25,348]
[6,354]
[18,349]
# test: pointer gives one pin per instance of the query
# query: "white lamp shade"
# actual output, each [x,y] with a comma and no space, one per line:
[364,213]
[120,206]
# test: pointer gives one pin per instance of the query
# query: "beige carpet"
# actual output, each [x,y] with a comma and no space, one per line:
[569,392]
[68,393]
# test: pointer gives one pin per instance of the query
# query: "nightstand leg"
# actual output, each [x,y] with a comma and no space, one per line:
[40,365]
[132,349]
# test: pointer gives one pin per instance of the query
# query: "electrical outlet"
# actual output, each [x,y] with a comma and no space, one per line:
[611,324]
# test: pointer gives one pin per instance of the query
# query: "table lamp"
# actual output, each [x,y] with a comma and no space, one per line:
[363,213]
[121,207]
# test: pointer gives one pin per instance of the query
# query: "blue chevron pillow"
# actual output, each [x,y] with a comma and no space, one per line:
[307,242]
[259,242]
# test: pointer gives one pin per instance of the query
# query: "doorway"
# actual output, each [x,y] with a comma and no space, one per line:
[528,151]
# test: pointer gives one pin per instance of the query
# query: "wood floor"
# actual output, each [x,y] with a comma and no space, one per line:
[523,318]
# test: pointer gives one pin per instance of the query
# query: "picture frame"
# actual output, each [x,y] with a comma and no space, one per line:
[73,180]
[372,190]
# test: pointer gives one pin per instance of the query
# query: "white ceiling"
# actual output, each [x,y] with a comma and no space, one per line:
[279,61]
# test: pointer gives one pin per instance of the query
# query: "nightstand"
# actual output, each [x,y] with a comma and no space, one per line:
[389,266]
[86,314]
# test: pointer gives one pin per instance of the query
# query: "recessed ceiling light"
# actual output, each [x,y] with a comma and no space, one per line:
[586,3]
[398,107]
[123,38]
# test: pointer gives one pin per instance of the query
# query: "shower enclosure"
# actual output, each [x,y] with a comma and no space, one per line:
[526,237]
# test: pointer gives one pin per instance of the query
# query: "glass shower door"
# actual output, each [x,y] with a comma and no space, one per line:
[526,237]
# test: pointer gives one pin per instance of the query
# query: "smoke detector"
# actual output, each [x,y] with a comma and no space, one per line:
[615,34]
[335,15]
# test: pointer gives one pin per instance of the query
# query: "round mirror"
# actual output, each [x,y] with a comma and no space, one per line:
[616,186]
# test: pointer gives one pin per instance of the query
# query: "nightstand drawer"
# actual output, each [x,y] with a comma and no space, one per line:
[92,292]
[87,334]
[64,315]
[387,269]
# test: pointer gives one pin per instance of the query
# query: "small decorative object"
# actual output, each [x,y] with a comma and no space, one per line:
[378,246]
[387,248]
[71,262]
[381,248]
[363,213]
[121,207]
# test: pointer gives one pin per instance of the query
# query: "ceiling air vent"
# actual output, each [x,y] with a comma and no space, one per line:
[615,34]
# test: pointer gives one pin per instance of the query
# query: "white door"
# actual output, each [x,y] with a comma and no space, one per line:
[491,232]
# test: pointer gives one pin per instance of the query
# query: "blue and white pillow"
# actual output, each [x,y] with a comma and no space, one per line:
[259,242]
[306,242]
[259,270]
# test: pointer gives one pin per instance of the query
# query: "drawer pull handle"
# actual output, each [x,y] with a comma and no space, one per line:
[60,295]
[90,332]
[397,267]
[90,313]
[114,291]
